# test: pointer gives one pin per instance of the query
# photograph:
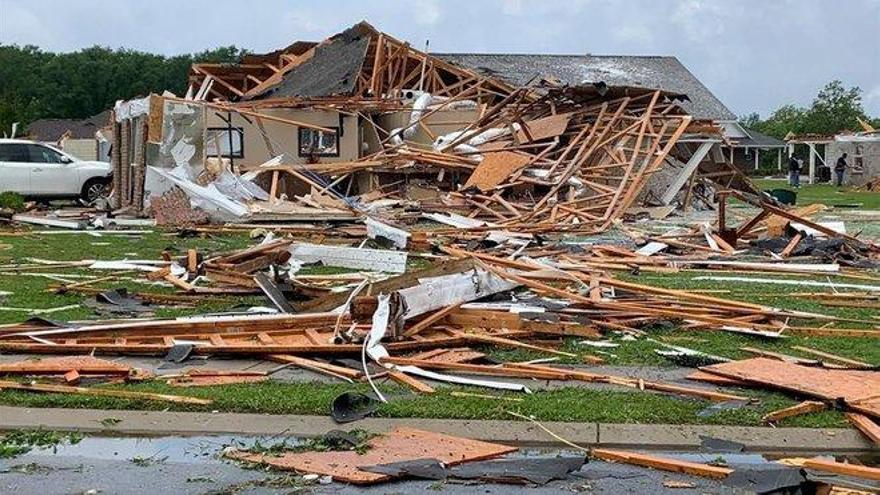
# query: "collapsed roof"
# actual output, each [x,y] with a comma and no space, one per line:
[666,73]
[360,62]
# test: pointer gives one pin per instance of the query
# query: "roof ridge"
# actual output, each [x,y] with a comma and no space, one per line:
[484,54]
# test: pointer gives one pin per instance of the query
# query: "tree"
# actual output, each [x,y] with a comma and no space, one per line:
[835,109]
[36,84]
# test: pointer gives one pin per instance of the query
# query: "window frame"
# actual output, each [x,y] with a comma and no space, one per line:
[231,155]
[299,142]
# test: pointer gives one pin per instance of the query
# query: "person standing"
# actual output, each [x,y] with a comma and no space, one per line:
[839,169]
[794,172]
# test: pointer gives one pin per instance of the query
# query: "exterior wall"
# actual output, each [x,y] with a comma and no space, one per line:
[84,149]
[285,137]
[870,160]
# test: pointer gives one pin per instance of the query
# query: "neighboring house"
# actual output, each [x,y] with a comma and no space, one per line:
[745,151]
[863,156]
[73,136]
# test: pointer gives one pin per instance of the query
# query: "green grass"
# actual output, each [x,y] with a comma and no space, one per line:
[827,194]
[33,292]
[567,404]
[570,404]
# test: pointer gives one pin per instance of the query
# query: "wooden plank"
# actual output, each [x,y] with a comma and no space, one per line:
[84,365]
[865,472]
[317,366]
[865,425]
[832,357]
[192,261]
[417,385]
[430,320]
[661,463]
[792,244]
[805,407]
[101,392]
[499,341]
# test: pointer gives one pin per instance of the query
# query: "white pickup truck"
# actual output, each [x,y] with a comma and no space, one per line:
[40,171]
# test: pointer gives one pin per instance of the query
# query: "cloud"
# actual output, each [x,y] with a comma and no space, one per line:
[21,25]
[426,12]
[754,55]
[512,7]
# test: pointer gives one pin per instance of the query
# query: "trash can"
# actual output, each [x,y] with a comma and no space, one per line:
[784,196]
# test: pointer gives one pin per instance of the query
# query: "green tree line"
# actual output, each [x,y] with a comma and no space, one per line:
[36,84]
[835,109]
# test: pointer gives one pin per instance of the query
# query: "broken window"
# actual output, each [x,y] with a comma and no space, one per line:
[859,160]
[313,142]
[218,139]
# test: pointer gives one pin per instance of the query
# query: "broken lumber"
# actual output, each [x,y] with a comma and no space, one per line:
[101,392]
[661,463]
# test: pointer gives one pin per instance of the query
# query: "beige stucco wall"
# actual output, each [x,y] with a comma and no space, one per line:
[285,137]
[84,149]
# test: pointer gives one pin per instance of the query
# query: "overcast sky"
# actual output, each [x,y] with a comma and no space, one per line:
[755,55]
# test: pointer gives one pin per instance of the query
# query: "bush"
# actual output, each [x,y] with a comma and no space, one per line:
[12,201]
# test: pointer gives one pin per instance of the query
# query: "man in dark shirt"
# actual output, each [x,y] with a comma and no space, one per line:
[839,168]
[794,172]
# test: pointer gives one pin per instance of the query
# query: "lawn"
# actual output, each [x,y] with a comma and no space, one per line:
[827,194]
[572,404]
[569,404]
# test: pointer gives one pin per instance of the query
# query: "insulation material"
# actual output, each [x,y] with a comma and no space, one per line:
[130,109]
[208,198]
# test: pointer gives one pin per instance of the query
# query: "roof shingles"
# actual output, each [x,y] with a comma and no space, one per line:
[658,72]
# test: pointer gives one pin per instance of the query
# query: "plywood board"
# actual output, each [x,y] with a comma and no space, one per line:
[859,389]
[402,444]
[544,128]
[495,168]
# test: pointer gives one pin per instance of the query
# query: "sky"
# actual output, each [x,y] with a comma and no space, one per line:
[755,55]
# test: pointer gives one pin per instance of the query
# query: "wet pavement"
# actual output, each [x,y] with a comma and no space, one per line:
[193,465]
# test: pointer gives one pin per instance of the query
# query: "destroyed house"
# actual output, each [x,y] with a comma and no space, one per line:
[363,116]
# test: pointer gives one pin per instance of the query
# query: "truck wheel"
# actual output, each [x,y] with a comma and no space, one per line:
[94,189]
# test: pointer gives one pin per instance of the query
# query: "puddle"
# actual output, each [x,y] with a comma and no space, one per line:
[207,449]
[184,450]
